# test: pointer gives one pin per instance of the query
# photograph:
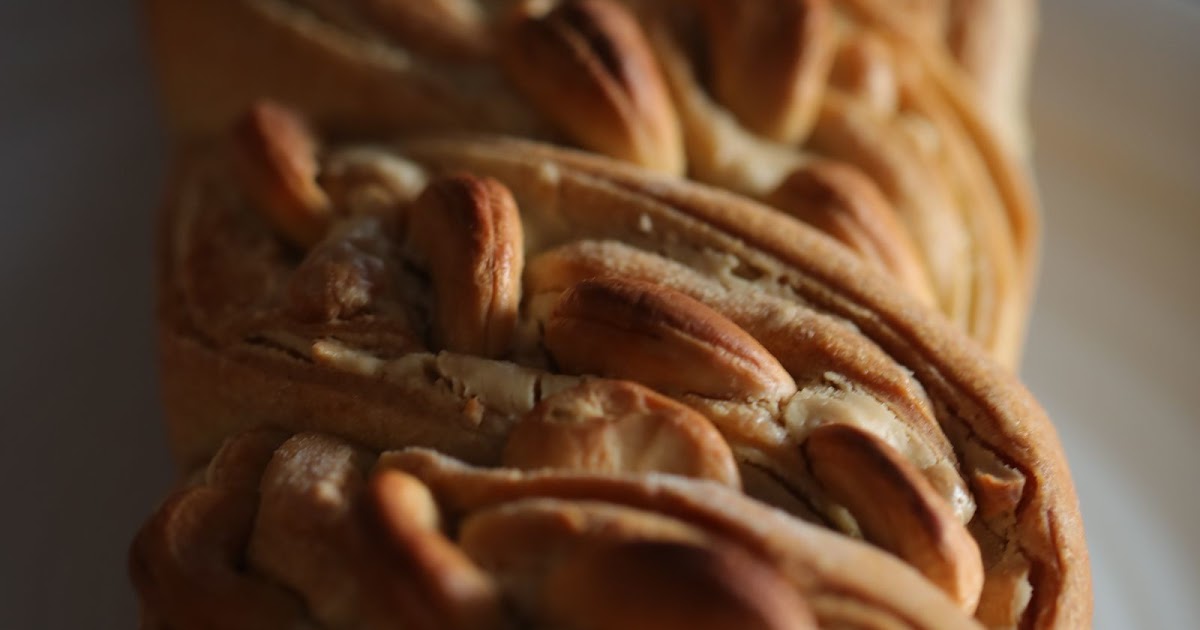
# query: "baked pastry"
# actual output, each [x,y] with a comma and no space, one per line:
[310,531]
[893,126]
[495,300]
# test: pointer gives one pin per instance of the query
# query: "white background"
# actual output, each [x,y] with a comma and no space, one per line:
[1113,352]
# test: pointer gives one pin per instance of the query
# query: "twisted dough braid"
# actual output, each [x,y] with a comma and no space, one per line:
[310,531]
[514,305]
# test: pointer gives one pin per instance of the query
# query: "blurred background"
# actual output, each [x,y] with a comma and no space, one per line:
[1114,351]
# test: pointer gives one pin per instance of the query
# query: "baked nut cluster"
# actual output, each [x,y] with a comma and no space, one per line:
[894,127]
[475,382]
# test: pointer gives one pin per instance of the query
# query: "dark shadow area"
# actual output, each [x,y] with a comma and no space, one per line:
[83,452]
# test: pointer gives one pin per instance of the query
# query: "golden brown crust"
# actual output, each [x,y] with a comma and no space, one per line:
[186,560]
[443,578]
[274,49]
[737,96]
[976,30]
[822,565]
[982,438]
[422,540]
[318,289]
[994,411]
[675,587]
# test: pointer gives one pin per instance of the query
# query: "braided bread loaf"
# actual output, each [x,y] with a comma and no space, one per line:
[511,304]
[872,120]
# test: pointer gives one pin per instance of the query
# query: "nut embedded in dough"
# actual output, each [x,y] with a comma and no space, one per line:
[770,60]
[644,332]
[896,508]
[619,427]
[370,181]
[865,68]
[467,230]
[276,156]
[586,65]
[841,201]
